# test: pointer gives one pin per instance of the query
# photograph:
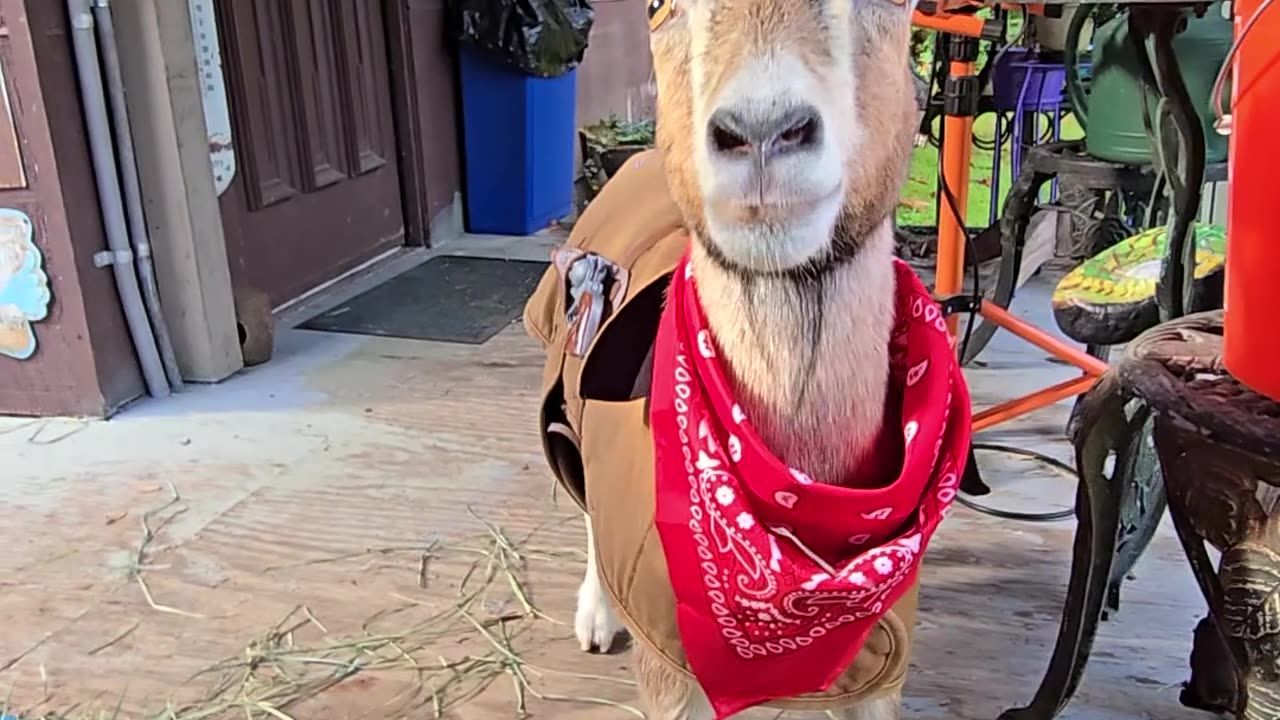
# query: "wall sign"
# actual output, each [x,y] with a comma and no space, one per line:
[24,286]
[12,173]
[213,92]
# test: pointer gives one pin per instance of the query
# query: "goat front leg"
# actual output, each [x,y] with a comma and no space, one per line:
[595,624]
[667,694]
[883,707]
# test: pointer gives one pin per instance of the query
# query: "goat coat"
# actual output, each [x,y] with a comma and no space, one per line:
[594,418]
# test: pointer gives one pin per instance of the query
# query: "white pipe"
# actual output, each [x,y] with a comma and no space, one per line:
[119,255]
[138,233]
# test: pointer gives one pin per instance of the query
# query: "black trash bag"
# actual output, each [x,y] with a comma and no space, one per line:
[543,38]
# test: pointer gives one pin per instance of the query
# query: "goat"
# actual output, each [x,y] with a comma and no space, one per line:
[784,133]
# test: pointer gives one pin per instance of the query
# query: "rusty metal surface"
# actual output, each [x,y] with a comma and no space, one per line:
[1177,367]
[1217,444]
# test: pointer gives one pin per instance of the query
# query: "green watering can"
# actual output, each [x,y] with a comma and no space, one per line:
[1112,119]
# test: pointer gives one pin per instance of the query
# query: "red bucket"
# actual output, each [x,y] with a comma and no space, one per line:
[1252,333]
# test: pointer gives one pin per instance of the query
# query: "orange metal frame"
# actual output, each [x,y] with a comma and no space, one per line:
[956,156]
[944,19]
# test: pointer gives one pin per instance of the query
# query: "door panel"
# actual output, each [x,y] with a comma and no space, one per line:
[318,188]
[371,140]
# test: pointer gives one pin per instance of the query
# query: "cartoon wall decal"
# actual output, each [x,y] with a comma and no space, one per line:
[24,286]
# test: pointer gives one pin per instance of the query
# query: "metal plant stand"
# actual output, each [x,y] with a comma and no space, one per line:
[1218,444]
[1117,515]
[1168,404]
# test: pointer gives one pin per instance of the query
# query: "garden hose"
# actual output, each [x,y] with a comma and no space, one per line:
[1052,462]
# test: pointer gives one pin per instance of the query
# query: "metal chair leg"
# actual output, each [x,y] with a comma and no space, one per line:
[1105,429]
[1143,499]
[1018,207]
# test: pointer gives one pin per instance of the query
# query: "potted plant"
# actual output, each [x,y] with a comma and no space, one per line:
[606,146]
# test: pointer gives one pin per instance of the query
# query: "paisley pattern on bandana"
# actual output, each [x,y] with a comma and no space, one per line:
[778,579]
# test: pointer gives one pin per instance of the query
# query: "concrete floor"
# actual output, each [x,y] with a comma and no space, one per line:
[346,486]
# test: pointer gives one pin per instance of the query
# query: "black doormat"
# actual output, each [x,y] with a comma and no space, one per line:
[446,299]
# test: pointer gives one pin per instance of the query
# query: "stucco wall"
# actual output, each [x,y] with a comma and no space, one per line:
[83,363]
[615,74]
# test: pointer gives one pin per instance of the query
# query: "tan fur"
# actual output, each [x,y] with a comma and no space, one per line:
[808,354]
[668,695]
[884,100]
[819,408]
[823,428]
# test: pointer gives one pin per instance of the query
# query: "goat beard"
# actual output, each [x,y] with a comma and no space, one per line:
[758,554]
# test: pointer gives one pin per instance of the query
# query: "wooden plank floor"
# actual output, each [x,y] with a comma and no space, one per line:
[321,480]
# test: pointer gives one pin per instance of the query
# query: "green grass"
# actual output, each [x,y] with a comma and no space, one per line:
[917,205]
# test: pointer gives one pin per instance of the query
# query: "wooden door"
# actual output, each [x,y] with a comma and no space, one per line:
[317,188]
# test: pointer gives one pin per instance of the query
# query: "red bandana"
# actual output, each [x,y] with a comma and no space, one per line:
[779,580]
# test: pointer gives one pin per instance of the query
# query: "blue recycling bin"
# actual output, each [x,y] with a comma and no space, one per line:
[518,146]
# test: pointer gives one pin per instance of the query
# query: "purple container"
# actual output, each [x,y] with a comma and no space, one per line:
[1045,82]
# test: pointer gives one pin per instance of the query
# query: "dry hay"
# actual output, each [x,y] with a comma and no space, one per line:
[278,672]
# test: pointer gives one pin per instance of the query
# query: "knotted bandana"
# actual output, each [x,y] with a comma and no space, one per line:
[779,580]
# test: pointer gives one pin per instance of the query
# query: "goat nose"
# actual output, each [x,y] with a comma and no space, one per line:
[769,133]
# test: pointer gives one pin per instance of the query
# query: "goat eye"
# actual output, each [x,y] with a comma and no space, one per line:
[659,11]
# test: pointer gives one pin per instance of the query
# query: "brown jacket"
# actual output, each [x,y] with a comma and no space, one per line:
[594,419]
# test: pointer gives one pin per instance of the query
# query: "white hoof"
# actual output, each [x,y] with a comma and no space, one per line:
[595,624]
